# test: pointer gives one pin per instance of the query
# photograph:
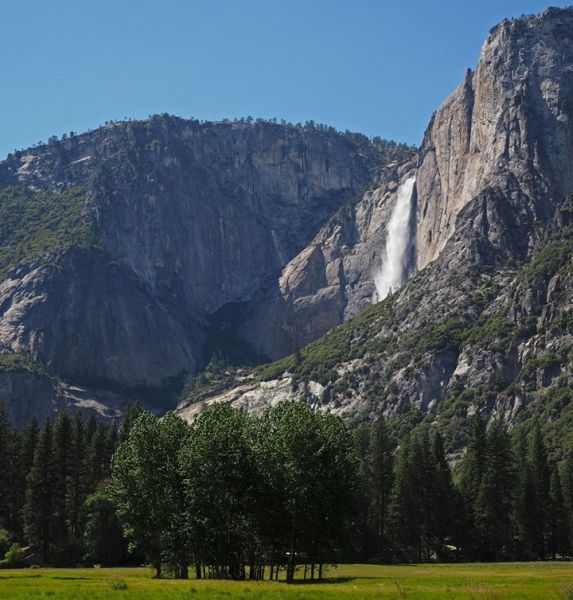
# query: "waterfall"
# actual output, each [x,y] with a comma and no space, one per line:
[395,264]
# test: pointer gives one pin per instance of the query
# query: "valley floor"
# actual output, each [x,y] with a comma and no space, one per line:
[461,581]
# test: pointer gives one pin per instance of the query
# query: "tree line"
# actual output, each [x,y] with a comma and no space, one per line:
[238,496]
[53,479]
[505,500]
[381,144]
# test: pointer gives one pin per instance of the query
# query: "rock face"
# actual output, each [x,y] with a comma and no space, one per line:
[507,129]
[89,319]
[26,394]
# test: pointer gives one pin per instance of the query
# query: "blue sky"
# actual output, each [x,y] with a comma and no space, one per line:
[376,66]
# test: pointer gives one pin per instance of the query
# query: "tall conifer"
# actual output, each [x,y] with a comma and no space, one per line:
[39,507]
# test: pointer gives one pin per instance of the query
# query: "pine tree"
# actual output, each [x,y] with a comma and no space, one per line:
[469,475]
[540,473]
[523,497]
[131,414]
[566,472]
[473,465]
[444,494]
[559,524]
[494,502]
[12,479]
[30,434]
[403,528]
[6,461]
[424,467]
[411,500]
[63,467]
[526,502]
[111,443]
[39,508]
[103,534]
[10,476]
[566,469]
[90,429]
[97,454]
[364,536]
[362,437]
[27,441]
[380,472]
[78,476]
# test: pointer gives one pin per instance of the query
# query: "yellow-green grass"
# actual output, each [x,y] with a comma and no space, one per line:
[468,581]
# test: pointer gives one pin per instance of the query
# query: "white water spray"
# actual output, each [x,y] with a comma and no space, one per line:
[394,266]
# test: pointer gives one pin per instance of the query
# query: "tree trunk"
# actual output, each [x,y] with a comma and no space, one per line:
[156,553]
[291,558]
[184,570]
[45,542]
[290,569]
[197,570]
[320,572]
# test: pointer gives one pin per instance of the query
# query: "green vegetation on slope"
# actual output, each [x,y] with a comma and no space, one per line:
[32,223]
[11,361]
[359,336]
[554,412]
[551,259]
[345,342]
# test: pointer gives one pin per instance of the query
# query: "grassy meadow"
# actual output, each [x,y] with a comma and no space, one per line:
[462,581]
